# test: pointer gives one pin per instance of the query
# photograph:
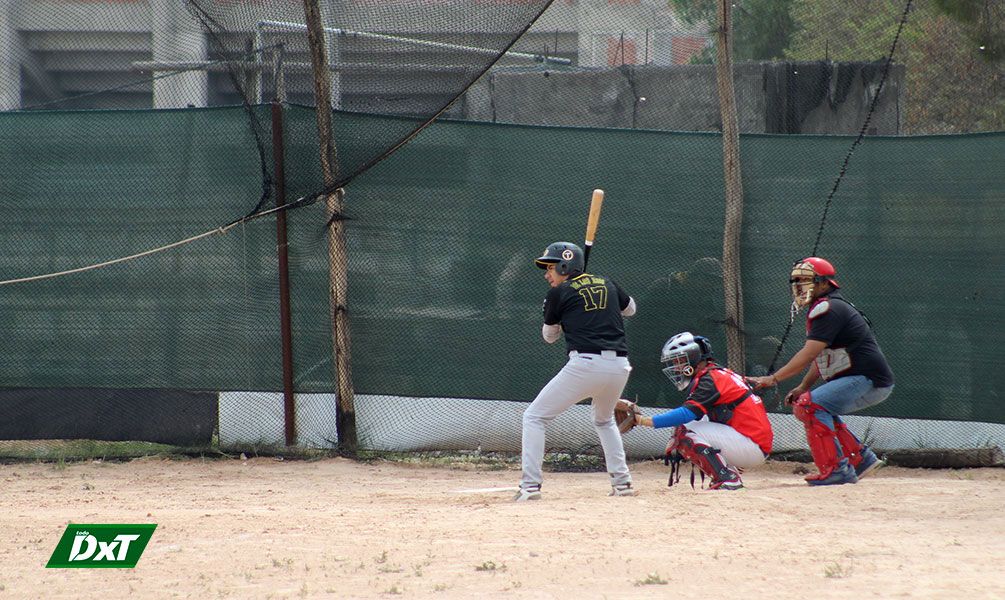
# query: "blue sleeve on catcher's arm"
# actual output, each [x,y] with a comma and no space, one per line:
[675,417]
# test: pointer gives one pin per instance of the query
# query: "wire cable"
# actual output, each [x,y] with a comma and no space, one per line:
[844,167]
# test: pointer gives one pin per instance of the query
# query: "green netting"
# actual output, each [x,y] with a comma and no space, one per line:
[450,302]
[445,301]
[175,319]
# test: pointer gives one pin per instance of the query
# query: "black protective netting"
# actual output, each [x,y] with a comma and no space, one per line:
[129,126]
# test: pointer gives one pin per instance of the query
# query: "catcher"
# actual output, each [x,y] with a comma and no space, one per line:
[722,427]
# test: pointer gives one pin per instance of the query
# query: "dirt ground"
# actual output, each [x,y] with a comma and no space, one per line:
[336,528]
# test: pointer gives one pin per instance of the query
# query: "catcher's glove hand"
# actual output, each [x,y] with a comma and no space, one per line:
[624,414]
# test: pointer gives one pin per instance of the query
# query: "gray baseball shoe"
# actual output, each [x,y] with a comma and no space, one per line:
[622,489]
[528,493]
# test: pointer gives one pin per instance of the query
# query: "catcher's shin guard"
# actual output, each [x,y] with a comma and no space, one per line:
[672,457]
[850,445]
[823,442]
[705,457]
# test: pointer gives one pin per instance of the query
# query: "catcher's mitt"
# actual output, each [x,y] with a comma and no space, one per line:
[624,415]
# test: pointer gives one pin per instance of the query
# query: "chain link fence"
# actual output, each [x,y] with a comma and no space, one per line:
[144,264]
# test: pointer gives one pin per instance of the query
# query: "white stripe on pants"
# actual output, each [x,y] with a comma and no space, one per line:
[735,448]
[600,377]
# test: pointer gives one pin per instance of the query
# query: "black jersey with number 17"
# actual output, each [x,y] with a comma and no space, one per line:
[588,307]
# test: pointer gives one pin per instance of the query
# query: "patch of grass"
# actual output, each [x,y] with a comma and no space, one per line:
[867,437]
[575,461]
[80,450]
[418,567]
[651,579]
[836,570]
[463,460]
[490,566]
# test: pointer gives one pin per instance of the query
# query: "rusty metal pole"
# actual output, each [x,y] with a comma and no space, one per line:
[289,412]
[338,286]
[282,249]
[731,273]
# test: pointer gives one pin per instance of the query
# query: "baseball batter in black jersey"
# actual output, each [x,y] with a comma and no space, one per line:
[588,309]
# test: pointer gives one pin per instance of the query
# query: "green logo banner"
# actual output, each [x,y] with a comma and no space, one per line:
[91,546]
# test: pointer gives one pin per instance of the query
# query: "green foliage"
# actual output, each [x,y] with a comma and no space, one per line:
[983,22]
[952,49]
[855,30]
[949,85]
[761,28]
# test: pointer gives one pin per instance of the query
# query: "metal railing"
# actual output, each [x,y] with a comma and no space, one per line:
[252,69]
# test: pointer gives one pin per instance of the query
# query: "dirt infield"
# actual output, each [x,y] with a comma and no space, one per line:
[335,528]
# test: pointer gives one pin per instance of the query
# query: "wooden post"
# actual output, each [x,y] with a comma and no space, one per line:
[732,287]
[345,413]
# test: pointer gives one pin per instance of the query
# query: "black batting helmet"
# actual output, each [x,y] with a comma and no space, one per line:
[566,256]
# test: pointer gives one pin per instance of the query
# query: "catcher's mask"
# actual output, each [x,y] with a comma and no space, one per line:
[681,355]
[805,276]
[566,256]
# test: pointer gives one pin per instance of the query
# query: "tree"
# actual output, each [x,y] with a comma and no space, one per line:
[953,50]
[761,28]
[950,85]
[983,22]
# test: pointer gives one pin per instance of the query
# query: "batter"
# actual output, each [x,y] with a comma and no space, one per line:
[588,310]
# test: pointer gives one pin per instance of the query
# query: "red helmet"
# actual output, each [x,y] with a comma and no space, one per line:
[821,269]
[805,276]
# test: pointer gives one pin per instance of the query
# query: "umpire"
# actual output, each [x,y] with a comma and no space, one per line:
[588,309]
[842,351]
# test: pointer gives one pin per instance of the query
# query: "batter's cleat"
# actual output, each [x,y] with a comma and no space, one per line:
[622,489]
[529,493]
[844,473]
[870,462]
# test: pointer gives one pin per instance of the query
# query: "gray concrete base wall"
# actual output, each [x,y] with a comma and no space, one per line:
[781,97]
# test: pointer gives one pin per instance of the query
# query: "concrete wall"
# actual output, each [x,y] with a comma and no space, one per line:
[782,97]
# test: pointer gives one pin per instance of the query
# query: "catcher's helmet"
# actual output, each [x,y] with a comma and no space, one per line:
[681,354]
[566,256]
[806,273]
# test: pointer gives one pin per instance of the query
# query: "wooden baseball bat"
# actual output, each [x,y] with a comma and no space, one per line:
[591,224]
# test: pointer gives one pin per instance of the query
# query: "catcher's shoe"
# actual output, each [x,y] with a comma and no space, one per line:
[528,493]
[870,462]
[622,489]
[729,481]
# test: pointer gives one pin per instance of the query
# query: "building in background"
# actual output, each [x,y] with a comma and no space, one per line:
[85,54]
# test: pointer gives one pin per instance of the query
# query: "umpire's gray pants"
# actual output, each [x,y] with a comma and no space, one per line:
[600,377]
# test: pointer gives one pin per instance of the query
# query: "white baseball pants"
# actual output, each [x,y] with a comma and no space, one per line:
[600,377]
[735,448]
